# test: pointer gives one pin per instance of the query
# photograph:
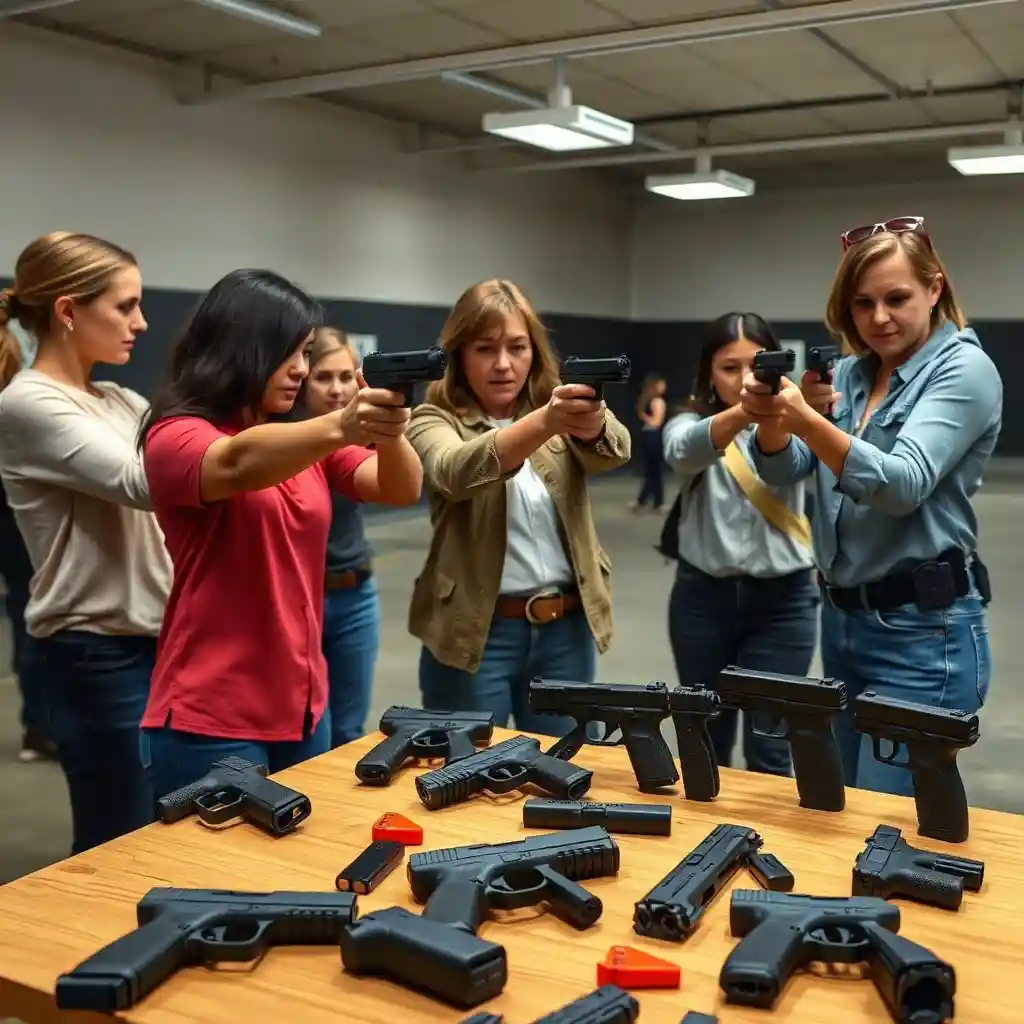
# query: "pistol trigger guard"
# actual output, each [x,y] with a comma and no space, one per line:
[429,743]
[517,888]
[219,807]
[504,778]
[836,942]
[231,941]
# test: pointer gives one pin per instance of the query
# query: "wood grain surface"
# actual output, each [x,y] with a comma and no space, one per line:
[52,920]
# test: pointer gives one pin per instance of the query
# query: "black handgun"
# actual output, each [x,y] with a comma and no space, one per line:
[634,711]
[821,359]
[502,768]
[185,927]
[439,951]
[595,372]
[782,932]
[932,737]
[412,732]
[770,367]
[402,371]
[237,788]
[671,910]
[605,1005]
[692,707]
[805,708]
[890,867]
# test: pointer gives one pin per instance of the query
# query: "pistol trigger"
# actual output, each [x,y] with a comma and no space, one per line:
[231,942]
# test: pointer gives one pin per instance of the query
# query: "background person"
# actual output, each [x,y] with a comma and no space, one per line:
[516,583]
[650,407]
[79,495]
[244,498]
[743,593]
[916,412]
[351,605]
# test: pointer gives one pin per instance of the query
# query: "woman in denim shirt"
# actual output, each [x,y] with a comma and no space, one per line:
[743,593]
[916,412]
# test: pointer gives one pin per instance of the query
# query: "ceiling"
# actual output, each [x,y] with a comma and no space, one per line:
[961,65]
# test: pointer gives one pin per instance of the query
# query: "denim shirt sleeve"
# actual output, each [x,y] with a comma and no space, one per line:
[687,445]
[954,409]
[789,466]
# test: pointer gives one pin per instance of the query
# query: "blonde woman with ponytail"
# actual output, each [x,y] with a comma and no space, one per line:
[78,492]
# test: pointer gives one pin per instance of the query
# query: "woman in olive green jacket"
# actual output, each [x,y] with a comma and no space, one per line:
[516,583]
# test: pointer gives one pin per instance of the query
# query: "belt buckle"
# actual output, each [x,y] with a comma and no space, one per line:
[528,610]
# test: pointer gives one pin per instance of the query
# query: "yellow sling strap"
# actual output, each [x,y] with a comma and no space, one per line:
[781,516]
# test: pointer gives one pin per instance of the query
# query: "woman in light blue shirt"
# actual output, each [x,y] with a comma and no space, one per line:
[915,415]
[743,592]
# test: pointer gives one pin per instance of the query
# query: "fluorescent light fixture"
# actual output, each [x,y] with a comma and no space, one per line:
[709,184]
[1005,159]
[259,13]
[973,160]
[561,129]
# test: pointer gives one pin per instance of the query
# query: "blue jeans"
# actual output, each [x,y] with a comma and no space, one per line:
[941,658]
[515,652]
[92,692]
[351,641]
[174,759]
[768,625]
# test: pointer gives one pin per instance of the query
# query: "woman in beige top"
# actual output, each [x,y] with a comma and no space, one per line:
[78,491]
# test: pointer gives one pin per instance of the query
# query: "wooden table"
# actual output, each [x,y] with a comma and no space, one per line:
[52,920]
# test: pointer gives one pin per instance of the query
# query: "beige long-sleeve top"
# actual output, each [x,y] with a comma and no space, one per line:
[78,490]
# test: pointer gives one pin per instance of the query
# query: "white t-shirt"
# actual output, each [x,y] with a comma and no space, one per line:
[535,558]
[77,487]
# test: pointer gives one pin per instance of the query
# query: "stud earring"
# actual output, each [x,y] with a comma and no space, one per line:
[69,325]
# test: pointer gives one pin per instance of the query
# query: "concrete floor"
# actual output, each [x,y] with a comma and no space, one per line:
[37,829]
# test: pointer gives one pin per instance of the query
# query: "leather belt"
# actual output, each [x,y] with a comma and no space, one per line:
[931,585]
[347,580]
[538,609]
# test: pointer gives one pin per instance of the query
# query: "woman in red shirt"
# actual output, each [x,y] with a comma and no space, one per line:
[244,500]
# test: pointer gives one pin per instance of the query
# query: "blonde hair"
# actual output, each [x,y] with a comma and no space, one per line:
[481,309]
[58,265]
[861,256]
[327,341]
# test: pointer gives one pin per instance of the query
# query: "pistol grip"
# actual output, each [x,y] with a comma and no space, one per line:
[817,766]
[910,979]
[652,761]
[757,969]
[698,761]
[459,746]
[376,767]
[408,391]
[939,795]
[561,779]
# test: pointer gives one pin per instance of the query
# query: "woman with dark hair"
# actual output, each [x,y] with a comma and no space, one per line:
[650,407]
[743,593]
[244,499]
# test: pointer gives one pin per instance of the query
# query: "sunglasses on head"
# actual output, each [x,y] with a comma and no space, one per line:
[896,226]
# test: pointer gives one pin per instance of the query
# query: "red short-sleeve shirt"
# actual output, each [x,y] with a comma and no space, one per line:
[239,654]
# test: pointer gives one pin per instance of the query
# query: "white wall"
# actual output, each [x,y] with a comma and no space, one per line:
[322,197]
[776,254]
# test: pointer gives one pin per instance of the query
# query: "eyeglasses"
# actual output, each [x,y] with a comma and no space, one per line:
[896,226]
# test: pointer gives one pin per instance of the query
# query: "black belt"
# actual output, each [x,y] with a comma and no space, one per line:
[932,585]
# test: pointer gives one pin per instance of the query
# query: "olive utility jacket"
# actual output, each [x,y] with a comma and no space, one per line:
[455,595]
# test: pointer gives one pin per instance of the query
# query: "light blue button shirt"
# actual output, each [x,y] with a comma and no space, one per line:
[904,493]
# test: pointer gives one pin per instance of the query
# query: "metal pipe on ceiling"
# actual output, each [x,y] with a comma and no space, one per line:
[810,142]
[12,8]
[532,102]
[703,30]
